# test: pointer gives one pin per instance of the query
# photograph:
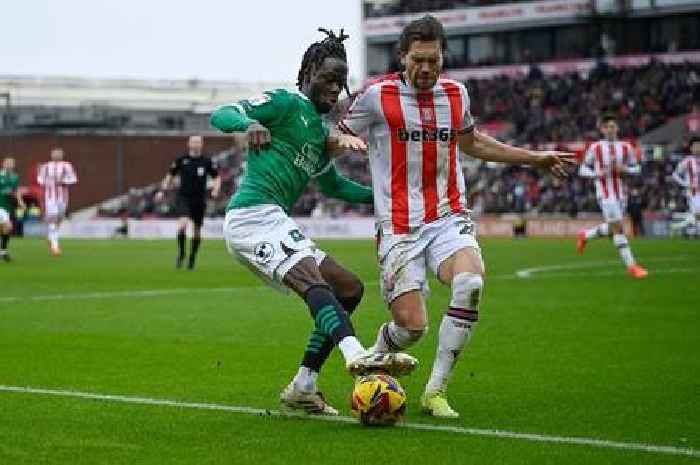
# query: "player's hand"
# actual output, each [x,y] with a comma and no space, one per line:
[555,162]
[214,193]
[159,197]
[346,142]
[258,137]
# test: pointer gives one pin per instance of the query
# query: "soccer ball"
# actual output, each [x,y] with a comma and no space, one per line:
[378,400]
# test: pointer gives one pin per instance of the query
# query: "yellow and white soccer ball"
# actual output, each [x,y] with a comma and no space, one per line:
[378,399]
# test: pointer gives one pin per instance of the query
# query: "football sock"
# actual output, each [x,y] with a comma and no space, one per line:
[394,338]
[456,328]
[53,234]
[601,230]
[332,320]
[455,332]
[623,246]
[319,346]
[4,240]
[194,247]
[181,243]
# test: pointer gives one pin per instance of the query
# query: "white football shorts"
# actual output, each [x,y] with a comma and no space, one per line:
[55,209]
[268,242]
[404,258]
[613,210]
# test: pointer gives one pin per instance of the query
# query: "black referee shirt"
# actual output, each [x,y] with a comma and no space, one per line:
[193,173]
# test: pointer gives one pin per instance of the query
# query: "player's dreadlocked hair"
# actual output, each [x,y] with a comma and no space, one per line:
[332,46]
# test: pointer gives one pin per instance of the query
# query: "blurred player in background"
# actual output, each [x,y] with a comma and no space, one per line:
[55,177]
[607,162]
[9,194]
[291,145]
[414,121]
[687,175]
[191,201]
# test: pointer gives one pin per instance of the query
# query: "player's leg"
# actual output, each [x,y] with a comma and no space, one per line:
[585,235]
[455,257]
[5,230]
[463,272]
[404,286]
[181,239]
[614,215]
[348,289]
[694,215]
[271,243]
[54,210]
[197,208]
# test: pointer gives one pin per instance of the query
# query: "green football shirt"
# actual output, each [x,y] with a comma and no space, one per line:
[297,152]
[9,182]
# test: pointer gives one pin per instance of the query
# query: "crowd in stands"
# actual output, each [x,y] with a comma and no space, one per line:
[541,112]
[373,9]
[560,108]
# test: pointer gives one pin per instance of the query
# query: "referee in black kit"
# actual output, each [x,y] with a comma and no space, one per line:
[193,169]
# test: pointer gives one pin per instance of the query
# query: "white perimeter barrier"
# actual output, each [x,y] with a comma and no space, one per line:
[345,228]
[352,228]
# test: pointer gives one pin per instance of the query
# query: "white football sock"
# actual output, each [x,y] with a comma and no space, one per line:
[620,241]
[394,338]
[351,348]
[454,335]
[53,234]
[456,328]
[305,380]
[601,230]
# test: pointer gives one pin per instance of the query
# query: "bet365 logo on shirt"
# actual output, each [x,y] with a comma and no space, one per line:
[427,134]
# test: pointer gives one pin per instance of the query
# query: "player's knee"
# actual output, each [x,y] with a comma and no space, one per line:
[351,294]
[466,290]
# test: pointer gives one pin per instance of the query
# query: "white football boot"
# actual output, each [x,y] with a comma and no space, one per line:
[308,402]
[395,364]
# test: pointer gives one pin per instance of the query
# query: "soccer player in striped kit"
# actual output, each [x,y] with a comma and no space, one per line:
[55,177]
[687,175]
[607,162]
[414,122]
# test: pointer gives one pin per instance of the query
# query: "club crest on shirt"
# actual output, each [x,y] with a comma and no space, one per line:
[263,252]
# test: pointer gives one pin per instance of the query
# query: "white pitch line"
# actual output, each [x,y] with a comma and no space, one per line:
[533,437]
[528,272]
[125,294]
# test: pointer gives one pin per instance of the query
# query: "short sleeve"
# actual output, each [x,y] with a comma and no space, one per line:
[361,113]
[468,119]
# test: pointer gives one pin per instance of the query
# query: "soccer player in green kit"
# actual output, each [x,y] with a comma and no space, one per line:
[9,182]
[292,145]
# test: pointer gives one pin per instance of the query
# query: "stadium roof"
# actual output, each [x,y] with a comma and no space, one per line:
[176,95]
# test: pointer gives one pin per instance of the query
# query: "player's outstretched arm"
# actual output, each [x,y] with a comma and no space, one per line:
[254,116]
[487,148]
[338,144]
[334,185]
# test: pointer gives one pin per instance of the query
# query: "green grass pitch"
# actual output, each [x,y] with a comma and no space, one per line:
[577,349]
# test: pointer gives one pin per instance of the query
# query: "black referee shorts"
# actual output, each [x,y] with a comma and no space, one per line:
[191,207]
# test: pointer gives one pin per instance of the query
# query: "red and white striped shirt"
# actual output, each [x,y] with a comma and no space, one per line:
[688,173]
[601,163]
[55,176]
[412,140]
